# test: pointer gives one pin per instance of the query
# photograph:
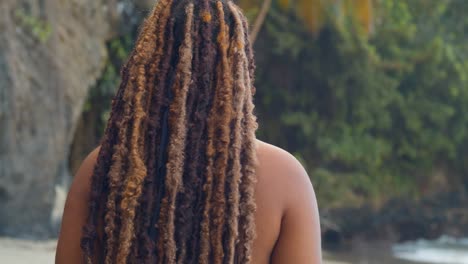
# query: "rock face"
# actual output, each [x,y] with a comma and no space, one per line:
[51,52]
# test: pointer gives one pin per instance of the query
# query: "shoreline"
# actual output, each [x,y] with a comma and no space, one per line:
[21,251]
[398,220]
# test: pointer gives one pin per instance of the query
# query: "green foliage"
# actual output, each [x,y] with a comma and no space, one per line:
[371,117]
[118,51]
[39,28]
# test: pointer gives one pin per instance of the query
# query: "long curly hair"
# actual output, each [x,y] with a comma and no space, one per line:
[175,175]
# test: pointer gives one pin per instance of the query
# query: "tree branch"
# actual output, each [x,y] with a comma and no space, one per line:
[260,20]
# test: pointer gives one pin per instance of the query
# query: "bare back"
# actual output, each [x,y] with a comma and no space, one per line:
[287,220]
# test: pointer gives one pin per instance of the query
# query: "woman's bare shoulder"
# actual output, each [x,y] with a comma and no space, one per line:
[82,179]
[75,212]
[283,176]
[281,165]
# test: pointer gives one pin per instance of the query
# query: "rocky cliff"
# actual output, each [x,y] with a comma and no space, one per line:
[51,52]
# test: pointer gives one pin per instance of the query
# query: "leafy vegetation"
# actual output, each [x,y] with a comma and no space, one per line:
[118,49]
[39,28]
[371,98]
[370,116]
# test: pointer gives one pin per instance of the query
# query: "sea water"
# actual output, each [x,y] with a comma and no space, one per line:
[445,250]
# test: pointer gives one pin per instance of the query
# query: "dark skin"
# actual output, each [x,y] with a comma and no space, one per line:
[287,219]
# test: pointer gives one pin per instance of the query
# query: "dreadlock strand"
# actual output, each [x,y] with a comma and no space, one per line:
[208,55]
[177,121]
[223,108]
[133,180]
[204,243]
[247,188]
[185,212]
[100,170]
[144,45]
[208,188]
[137,173]
[153,108]
[239,97]
[249,52]
[159,185]
[116,171]
[248,157]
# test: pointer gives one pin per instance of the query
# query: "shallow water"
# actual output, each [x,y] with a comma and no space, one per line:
[367,253]
[445,250]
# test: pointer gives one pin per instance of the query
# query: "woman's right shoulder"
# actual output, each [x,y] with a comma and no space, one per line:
[281,165]
[280,173]
[283,176]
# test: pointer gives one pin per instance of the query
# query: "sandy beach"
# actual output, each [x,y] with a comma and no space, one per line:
[26,252]
[43,252]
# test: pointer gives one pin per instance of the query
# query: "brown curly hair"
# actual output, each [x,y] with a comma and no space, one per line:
[175,176]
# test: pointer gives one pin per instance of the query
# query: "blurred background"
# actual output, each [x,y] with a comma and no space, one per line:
[370,95]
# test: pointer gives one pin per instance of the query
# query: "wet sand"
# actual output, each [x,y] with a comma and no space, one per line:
[26,252]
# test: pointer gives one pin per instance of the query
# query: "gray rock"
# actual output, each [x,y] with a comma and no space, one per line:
[51,52]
